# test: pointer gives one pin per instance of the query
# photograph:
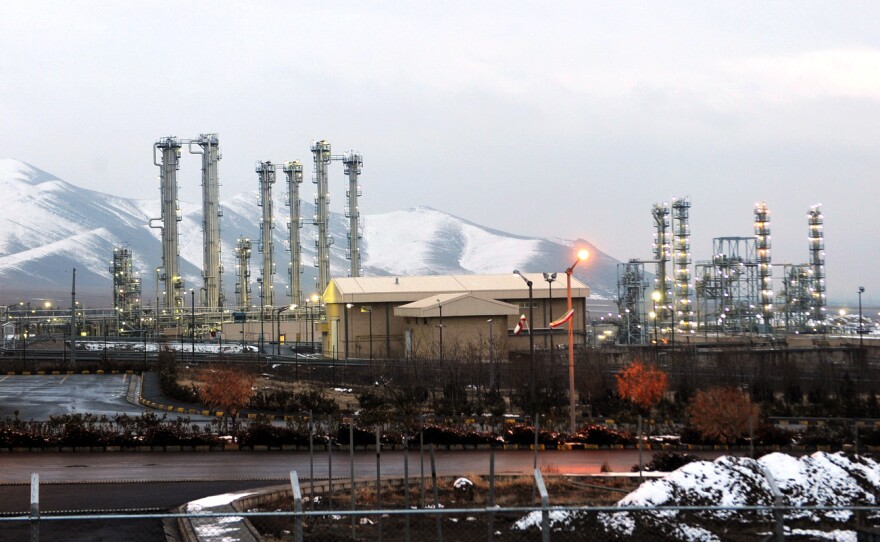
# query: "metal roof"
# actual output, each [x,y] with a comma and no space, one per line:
[407,289]
[455,305]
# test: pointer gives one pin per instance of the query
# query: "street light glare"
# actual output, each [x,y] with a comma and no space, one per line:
[583,254]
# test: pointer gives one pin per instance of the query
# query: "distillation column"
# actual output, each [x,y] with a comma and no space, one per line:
[660,212]
[170,147]
[294,172]
[243,273]
[212,271]
[321,155]
[266,171]
[765,267]
[126,290]
[682,319]
[817,264]
[353,163]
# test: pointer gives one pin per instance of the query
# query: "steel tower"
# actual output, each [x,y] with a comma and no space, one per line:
[266,171]
[170,275]
[242,273]
[683,316]
[353,163]
[660,212]
[817,264]
[631,286]
[126,290]
[321,156]
[294,172]
[212,269]
[765,267]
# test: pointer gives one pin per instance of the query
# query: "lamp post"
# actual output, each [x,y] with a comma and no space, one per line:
[314,299]
[156,323]
[192,294]
[260,343]
[861,328]
[370,310]
[440,307]
[550,277]
[491,357]
[582,255]
[655,297]
[531,341]
[347,306]
[277,320]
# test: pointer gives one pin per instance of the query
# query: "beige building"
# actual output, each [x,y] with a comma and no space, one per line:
[445,317]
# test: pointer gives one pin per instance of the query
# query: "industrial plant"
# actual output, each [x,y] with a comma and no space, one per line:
[669,297]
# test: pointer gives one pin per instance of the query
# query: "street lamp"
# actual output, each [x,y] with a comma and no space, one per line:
[370,310]
[314,299]
[655,297]
[582,255]
[260,283]
[861,329]
[277,320]
[550,277]
[440,307]
[192,294]
[531,341]
[347,306]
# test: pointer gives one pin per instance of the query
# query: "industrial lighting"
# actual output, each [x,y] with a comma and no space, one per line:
[531,340]
[582,255]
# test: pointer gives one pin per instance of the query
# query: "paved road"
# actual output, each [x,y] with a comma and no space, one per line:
[270,466]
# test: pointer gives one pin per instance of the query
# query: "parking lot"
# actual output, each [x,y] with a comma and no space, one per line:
[36,397]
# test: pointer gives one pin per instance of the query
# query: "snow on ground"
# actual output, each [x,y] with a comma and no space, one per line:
[817,480]
[176,346]
[820,479]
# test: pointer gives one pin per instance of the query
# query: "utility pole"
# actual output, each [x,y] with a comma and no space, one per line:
[73,321]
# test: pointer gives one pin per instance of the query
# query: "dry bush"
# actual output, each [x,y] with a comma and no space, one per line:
[723,413]
[642,385]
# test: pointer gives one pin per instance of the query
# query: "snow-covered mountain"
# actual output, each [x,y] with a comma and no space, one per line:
[51,227]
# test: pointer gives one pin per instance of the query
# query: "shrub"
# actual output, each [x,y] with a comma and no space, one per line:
[667,462]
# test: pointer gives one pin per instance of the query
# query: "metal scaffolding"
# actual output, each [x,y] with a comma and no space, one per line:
[727,287]
[683,317]
[212,268]
[796,298]
[353,165]
[266,172]
[126,291]
[294,172]
[631,287]
[170,274]
[242,273]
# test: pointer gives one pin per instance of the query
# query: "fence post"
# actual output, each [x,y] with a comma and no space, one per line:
[641,463]
[379,479]
[311,461]
[351,475]
[436,496]
[330,461]
[545,506]
[406,487]
[491,504]
[35,507]
[778,512]
[297,507]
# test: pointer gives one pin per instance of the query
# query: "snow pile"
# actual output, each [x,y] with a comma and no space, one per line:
[821,479]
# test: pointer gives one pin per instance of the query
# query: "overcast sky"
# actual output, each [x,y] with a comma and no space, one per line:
[563,119]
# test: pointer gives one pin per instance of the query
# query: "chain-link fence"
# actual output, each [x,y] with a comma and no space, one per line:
[453,525]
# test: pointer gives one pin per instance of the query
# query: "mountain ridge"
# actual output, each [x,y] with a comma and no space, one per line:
[53,226]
